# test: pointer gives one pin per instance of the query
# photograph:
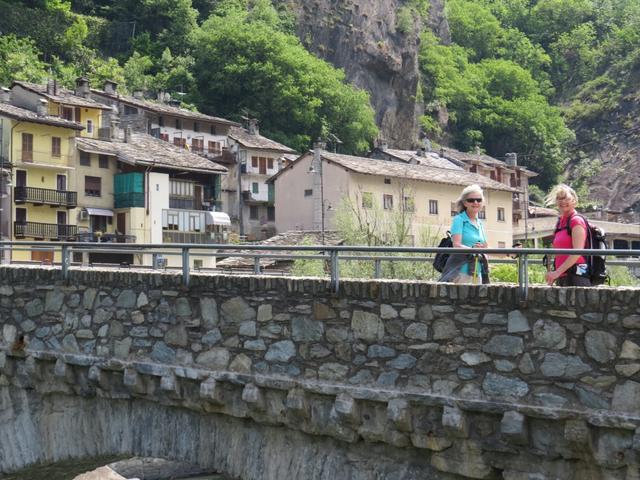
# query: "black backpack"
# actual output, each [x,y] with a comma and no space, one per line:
[441,258]
[596,240]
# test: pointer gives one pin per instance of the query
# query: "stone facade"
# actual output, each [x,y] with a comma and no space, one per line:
[465,372]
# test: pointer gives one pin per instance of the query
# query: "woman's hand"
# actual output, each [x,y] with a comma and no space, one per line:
[551,277]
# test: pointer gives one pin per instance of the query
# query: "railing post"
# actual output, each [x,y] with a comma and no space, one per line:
[523,280]
[525,267]
[154,261]
[256,265]
[65,262]
[377,268]
[335,273]
[185,266]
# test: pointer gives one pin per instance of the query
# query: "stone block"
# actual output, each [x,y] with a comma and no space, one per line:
[464,459]
[517,322]
[209,312]
[500,386]
[211,390]
[630,350]
[628,370]
[626,397]
[248,329]
[576,431]
[253,396]
[367,326]
[504,345]
[431,442]
[600,345]
[98,376]
[241,364]
[549,334]
[305,329]
[474,358]
[321,311]
[237,310]
[333,371]
[281,351]
[132,379]
[455,422]
[403,361]
[296,403]
[380,351]
[387,312]
[215,358]
[399,414]
[558,365]
[345,409]
[61,369]
[494,319]
[444,329]
[417,331]
[513,427]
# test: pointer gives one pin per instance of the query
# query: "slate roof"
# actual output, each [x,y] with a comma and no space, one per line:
[257,142]
[64,96]
[24,115]
[145,150]
[470,157]
[162,108]
[429,159]
[293,237]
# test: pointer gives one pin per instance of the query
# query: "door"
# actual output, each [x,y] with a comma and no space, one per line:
[62,225]
[21,178]
[61,182]
[21,222]
[197,197]
[121,223]
[20,190]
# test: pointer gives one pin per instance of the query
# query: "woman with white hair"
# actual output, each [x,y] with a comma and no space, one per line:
[467,231]
[570,232]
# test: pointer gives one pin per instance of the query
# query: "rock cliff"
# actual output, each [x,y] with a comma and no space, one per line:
[363,38]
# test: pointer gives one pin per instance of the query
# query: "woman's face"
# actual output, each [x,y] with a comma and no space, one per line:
[565,205]
[473,202]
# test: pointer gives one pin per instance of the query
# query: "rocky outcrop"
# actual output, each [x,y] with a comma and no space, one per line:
[361,36]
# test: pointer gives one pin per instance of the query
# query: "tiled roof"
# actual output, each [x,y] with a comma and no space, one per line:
[64,96]
[145,150]
[429,159]
[293,237]
[422,173]
[25,115]
[469,157]
[257,142]
[162,108]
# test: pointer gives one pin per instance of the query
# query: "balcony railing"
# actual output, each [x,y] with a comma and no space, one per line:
[42,196]
[51,231]
[105,238]
[128,200]
[169,236]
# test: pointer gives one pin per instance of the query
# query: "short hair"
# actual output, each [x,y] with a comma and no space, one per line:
[465,193]
[561,192]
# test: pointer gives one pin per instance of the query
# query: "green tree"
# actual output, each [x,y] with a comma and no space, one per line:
[243,63]
[136,72]
[19,60]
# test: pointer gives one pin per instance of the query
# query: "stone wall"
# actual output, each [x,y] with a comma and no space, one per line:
[465,372]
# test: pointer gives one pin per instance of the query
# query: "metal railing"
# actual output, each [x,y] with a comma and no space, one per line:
[44,230]
[174,236]
[331,255]
[45,196]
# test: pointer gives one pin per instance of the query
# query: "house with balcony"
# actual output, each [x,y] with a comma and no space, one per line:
[72,105]
[164,119]
[252,160]
[156,192]
[37,156]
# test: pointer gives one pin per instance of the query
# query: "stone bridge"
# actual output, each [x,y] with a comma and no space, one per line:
[280,378]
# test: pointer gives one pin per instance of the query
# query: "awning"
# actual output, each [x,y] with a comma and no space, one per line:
[100,212]
[218,218]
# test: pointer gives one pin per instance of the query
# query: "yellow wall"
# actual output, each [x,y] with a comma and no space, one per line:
[105,200]
[93,114]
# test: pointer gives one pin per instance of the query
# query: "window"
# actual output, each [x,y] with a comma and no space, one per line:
[85,159]
[500,214]
[502,245]
[409,204]
[433,207]
[178,124]
[67,113]
[92,186]
[215,147]
[387,202]
[164,136]
[253,212]
[454,209]
[270,163]
[255,188]
[271,214]
[21,215]
[160,121]
[387,181]
[308,192]
[197,145]
[179,141]
[27,147]
[194,223]
[103,161]
[173,220]
[263,166]
[129,110]
[482,214]
[196,127]
[55,146]
[212,130]
[367,200]
[89,126]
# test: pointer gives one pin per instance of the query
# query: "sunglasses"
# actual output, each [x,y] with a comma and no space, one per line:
[473,200]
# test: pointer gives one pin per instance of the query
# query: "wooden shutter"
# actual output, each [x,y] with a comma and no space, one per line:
[27,147]
[263,166]
[55,146]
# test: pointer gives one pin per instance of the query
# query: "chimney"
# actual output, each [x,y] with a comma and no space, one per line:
[477,150]
[110,87]
[51,86]
[318,147]
[253,127]
[82,87]
[421,152]
[511,159]
[382,144]
[127,134]
[426,145]
[5,96]
[43,108]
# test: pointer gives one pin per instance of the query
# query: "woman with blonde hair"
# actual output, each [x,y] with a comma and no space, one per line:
[570,232]
[467,231]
